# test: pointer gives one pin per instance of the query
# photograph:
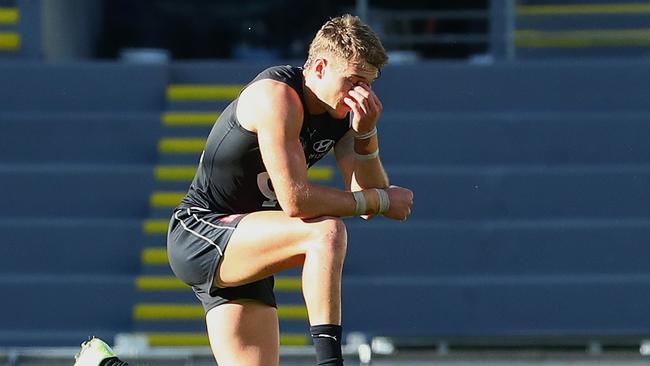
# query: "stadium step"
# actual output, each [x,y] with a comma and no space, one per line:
[170,283]
[199,98]
[9,16]
[189,119]
[171,311]
[202,92]
[9,42]
[190,339]
[10,38]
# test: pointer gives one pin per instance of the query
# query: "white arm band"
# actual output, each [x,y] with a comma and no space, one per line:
[370,156]
[384,201]
[361,203]
[366,135]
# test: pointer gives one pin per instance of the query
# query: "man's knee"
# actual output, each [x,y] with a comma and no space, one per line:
[330,234]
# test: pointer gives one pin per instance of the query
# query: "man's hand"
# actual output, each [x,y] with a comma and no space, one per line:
[401,200]
[366,107]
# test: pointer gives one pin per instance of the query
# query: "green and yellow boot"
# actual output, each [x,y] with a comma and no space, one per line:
[93,352]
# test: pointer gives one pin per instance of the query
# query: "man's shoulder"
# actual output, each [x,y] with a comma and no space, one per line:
[270,91]
[268,99]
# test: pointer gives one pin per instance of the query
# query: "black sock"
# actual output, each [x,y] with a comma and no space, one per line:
[327,341]
[113,361]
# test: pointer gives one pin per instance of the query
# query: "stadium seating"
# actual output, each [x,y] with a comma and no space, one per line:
[530,218]
[78,145]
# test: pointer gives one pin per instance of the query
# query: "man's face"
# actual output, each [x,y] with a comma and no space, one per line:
[337,79]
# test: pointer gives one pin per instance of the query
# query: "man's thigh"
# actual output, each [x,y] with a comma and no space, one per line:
[268,242]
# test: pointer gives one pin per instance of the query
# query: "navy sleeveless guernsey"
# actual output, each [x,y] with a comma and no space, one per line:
[231,177]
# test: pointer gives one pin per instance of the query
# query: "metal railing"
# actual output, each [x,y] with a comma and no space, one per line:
[177,356]
[379,353]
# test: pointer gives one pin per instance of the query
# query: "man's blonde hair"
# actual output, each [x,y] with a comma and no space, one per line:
[350,39]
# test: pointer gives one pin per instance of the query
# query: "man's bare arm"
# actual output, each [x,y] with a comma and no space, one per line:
[358,152]
[273,110]
[360,174]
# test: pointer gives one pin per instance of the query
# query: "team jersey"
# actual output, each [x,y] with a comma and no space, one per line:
[231,176]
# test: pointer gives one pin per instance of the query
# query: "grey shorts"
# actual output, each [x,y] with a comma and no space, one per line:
[196,241]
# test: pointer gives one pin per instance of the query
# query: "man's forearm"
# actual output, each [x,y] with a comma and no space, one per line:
[313,200]
[368,170]
[369,174]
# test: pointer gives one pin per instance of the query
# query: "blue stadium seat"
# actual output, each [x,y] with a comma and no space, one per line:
[514,193]
[484,139]
[533,306]
[430,249]
[37,191]
[66,246]
[63,310]
[79,138]
[95,87]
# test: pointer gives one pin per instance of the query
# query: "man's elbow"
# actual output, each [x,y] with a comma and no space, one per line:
[295,202]
[293,206]
[297,207]
[292,211]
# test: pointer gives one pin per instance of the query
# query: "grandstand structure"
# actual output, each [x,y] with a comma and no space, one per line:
[582,28]
[531,176]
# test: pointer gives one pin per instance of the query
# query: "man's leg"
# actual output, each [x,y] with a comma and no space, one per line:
[268,242]
[244,332]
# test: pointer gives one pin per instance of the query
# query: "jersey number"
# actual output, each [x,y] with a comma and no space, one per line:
[264,184]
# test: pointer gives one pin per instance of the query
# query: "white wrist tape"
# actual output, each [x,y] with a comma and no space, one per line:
[370,156]
[367,135]
[361,203]
[384,201]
